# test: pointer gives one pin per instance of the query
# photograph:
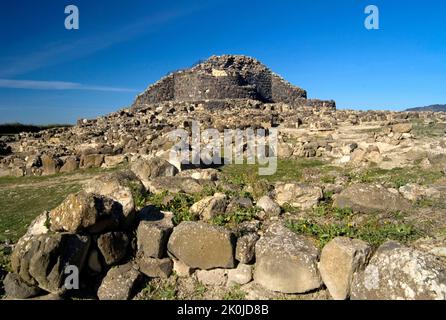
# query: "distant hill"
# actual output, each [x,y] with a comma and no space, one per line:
[434,108]
[14,128]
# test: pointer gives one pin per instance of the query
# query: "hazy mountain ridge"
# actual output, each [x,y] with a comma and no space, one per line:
[434,108]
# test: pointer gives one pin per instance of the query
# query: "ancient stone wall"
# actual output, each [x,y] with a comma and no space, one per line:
[163,90]
[225,77]
[315,103]
[189,86]
[283,91]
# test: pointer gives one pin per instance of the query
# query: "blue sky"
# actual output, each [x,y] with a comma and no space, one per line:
[49,74]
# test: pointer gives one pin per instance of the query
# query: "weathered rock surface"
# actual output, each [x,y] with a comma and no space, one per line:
[245,248]
[50,165]
[340,259]
[415,192]
[286,262]
[113,246]
[153,232]
[238,203]
[119,283]
[268,205]
[182,269]
[86,212]
[396,272]
[122,187]
[402,128]
[298,195]
[91,161]
[215,277]
[202,246]
[40,260]
[240,275]
[16,288]
[209,207]
[200,174]
[178,185]
[153,168]
[155,268]
[371,199]
[71,164]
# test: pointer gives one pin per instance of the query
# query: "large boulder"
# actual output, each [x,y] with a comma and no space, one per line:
[201,174]
[113,161]
[153,232]
[268,205]
[286,262]
[123,186]
[415,192]
[202,246]
[371,199]
[41,260]
[240,275]
[113,246]
[341,258]
[214,277]
[209,207]
[177,185]
[120,282]
[245,248]
[238,203]
[37,227]
[298,195]
[70,164]
[91,161]
[402,128]
[155,268]
[147,169]
[84,211]
[16,288]
[50,165]
[397,272]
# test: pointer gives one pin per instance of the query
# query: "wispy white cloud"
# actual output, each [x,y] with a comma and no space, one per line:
[57,85]
[64,51]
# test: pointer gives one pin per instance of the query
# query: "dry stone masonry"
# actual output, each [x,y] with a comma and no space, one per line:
[221,234]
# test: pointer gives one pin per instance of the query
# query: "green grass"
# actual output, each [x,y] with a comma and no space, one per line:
[325,222]
[431,203]
[21,205]
[161,290]
[287,170]
[294,170]
[433,130]
[234,218]
[374,232]
[10,180]
[199,290]
[235,293]
[22,199]
[179,204]
[397,177]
